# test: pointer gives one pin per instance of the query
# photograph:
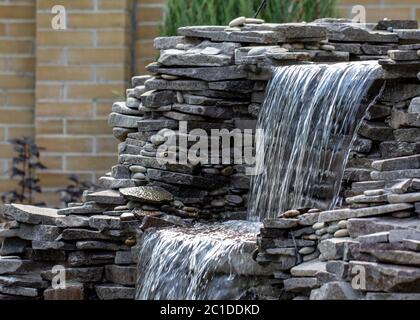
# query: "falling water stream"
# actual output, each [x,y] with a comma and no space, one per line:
[202,263]
[310,117]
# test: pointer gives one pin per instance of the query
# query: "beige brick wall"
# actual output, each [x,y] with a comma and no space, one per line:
[80,72]
[149,19]
[17,80]
[379,9]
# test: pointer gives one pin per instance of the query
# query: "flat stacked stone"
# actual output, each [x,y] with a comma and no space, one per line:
[377,233]
[95,251]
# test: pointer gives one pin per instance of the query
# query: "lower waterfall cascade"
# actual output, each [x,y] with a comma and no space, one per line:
[202,263]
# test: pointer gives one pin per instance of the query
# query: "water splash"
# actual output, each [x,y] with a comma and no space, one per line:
[204,262]
[310,117]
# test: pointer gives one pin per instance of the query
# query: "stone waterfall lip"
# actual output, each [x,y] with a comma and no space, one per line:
[240,235]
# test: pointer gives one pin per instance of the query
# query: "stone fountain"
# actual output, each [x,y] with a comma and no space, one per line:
[165,227]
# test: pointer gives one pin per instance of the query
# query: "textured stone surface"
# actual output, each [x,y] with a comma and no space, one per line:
[297,285]
[97,245]
[333,249]
[154,195]
[343,214]
[398,257]
[392,296]
[82,275]
[389,278]
[123,121]
[106,197]
[30,214]
[411,162]
[38,232]
[401,198]
[124,275]
[281,223]
[73,291]
[335,291]
[114,292]
[102,222]
[366,226]
[84,258]
[308,269]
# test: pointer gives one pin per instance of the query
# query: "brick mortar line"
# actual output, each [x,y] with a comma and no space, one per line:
[81,82]
[77,154]
[150,5]
[388,6]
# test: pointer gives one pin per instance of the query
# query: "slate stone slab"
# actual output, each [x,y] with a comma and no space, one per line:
[82,234]
[389,278]
[86,209]
[83,275]
[38,232]
[174,57]
[13,246]
[401,163]
[203,73]
[72,221]
[343,214]
[366,226]
[123,121]
[30,214]
[19,291]
[308,269]
[123,275]
[114,292]
[333,249]
[32,280]
[147,194]
[184,179]
[177,85]
[338,290]
[85,258]
[102,222]
[73,291]
[121,108]
[97,245]
[112,183]
[156,99]
[106,197]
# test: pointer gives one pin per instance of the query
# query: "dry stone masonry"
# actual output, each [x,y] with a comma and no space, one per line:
[214,78]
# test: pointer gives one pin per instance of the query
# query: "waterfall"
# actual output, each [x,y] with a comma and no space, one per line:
[205,262]
[309,118]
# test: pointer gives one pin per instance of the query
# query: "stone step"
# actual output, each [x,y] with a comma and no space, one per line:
[106,197]
[29,214]
[367,226]
[114,292]
[308,269]
[402,163]
[387,277]
[392,296]
[344,214]
[300,285]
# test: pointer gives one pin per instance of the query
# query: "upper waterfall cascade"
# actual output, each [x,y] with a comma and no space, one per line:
[309,118]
